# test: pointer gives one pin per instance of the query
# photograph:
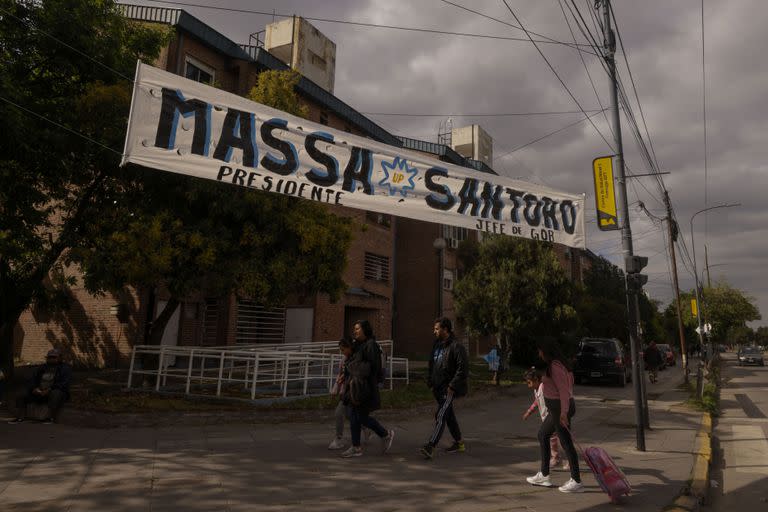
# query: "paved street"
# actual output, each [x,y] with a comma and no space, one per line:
[287,466]
[741,463]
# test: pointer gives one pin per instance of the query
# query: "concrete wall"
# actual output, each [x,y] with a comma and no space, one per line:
[299,44]
[473,142]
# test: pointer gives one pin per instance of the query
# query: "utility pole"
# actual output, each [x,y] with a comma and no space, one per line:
[632,264]
[673,232]
[706,265]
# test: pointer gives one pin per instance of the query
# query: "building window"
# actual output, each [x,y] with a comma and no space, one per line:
[454,236]
[199,72]
[382,219]
[376,267]
[448,278]
[324,118]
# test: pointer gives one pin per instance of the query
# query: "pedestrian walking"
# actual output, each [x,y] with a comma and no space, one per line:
[653,361]
[447,378]
[363,371]
[342,413]
[557,383]
[533,380]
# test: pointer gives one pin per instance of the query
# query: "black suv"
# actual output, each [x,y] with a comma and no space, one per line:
[601,359]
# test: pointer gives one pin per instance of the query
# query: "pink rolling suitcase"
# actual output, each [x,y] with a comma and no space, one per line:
[607,473]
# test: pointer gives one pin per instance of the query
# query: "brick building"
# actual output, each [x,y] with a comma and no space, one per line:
[396,278]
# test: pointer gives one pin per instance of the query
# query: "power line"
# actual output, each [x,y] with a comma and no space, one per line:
[95,61]
[70,130]
[704,108]
[357,23]
[510,114]
[575,45]
[518,148]
[589,76]
[556,74]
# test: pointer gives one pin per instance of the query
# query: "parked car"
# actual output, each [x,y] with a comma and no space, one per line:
[670,359]
[601,359]
[751,355]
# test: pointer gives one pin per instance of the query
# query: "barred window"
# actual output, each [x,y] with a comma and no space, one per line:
[376,267]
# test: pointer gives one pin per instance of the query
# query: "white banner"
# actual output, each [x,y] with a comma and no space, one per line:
[186,127]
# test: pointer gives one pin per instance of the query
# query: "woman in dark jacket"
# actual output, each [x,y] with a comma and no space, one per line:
[363,370]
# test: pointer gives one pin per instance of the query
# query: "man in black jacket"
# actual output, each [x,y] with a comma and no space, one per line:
[447,378]
[49,384]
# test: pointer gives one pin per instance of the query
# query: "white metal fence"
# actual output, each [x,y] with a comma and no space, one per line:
[251,371]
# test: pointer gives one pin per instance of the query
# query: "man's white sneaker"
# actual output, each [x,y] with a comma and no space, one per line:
[352,452]
[539,479]
[336,444]
[572,486]
[386,442]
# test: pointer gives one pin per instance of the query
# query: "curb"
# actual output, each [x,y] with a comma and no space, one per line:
[692,496]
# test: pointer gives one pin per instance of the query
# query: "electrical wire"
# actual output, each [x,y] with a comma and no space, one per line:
[541,53]
[356,23]
[518,148]
[70,130]
[511,114]
[95,61]
[584,63]
[575,44]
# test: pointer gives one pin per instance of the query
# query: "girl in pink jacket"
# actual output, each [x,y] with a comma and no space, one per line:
[557,386]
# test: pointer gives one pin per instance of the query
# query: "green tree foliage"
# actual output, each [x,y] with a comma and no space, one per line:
[602,303]
[277,89]
[724,307]
[51,179]
[727,309]
[516,290]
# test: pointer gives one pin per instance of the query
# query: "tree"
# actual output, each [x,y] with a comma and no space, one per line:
[727,308]
[602,302]
[194,235]
[53,180]
[518,291]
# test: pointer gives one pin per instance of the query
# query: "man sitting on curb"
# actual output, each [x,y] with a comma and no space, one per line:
[49,385]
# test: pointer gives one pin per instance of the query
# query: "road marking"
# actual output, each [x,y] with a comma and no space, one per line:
[751,410]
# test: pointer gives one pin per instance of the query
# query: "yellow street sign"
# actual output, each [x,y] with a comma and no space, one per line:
[694,308]
[605,200]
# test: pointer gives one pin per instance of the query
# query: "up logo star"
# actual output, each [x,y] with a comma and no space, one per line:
[399,177]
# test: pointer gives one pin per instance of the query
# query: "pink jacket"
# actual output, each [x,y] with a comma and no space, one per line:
[560,385]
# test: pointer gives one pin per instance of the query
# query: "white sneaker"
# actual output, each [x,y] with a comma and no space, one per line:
[386,442]
[539,479]
[572,486]
[352,452]
[336,444]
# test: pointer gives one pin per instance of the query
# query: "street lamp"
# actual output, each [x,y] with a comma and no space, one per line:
[710,350]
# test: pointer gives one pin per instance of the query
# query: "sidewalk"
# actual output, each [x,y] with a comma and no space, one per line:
[287,467]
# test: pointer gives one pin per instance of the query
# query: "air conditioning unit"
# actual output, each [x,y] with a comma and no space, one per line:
[453,243]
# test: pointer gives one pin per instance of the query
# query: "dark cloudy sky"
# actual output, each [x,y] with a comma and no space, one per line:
[381,70]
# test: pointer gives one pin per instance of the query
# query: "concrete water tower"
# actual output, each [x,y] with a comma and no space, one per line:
[305,49]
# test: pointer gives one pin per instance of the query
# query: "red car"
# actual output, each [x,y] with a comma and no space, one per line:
[670,359]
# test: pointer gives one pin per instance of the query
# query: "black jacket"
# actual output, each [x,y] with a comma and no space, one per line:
[61,379]
[653,358]
[366,359]
[449,368]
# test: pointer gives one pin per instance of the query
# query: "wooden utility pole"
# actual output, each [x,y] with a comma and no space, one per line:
[673,232]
